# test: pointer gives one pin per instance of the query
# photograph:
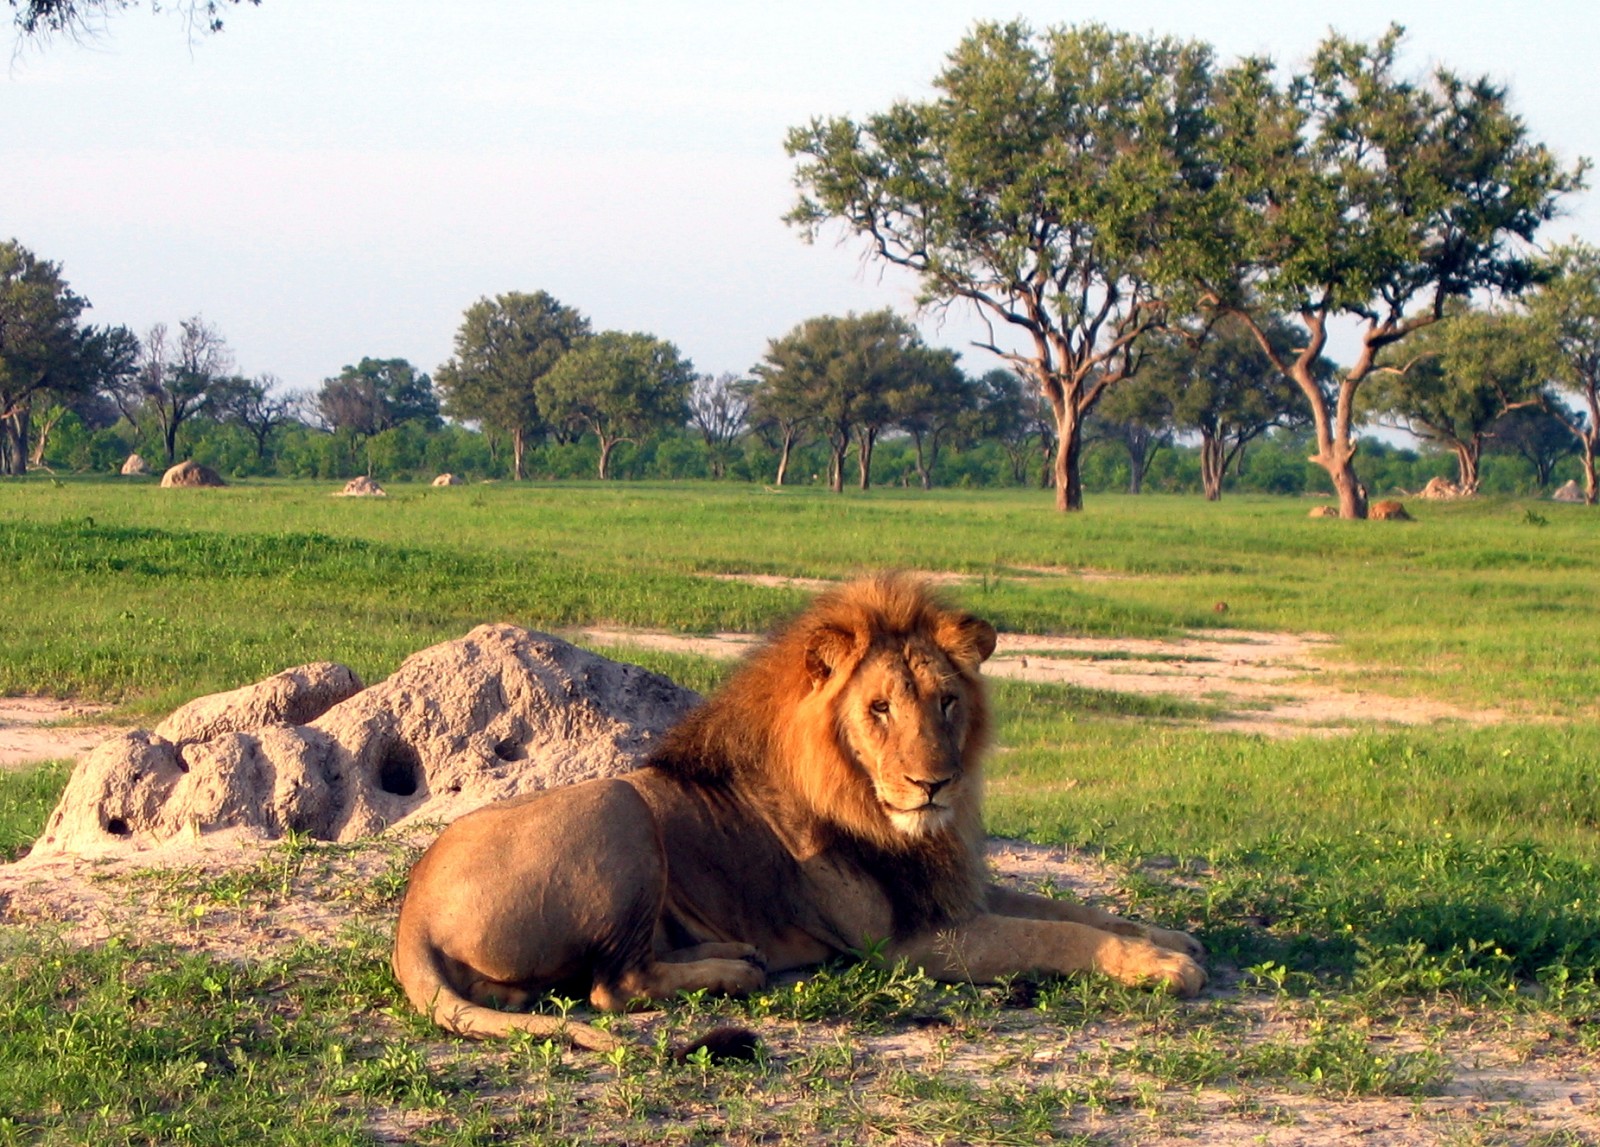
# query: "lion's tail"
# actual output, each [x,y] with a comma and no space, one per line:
[419,967]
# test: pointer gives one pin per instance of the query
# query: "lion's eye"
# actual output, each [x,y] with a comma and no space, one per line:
[880,708]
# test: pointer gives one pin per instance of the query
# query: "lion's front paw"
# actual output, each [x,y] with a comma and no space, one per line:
[1143,963]
[1176,942]
[735,977]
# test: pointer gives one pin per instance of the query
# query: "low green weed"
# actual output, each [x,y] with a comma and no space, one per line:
[27,797]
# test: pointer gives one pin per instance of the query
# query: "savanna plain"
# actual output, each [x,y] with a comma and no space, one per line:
[1403,919]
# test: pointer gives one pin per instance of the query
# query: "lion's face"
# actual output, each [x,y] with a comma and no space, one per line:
[908,714]
[905,715]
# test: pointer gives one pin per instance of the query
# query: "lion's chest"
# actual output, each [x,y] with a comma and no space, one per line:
[730,877]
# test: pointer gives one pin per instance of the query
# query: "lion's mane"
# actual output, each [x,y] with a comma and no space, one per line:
[763,736]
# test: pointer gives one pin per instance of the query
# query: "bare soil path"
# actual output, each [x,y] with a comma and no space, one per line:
[32,730]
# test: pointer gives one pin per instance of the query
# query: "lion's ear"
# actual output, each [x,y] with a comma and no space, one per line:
[966,640]
[826,651]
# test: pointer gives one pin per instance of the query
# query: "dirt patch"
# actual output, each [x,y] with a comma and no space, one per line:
[33,729]
[1264,681]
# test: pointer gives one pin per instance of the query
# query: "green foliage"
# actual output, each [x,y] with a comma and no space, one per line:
[1452,382]
[41,346]
[1355,191]
[619,387]
[504,347]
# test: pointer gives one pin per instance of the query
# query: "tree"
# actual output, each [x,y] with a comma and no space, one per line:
[1138,416]
[1354,192]
[1463,376]
[104,358]
[718,409]
[260,407]
[839,370]
[1566,315]
[929,399]
[1009,413]
[780,409]
[41,17]
[504,348]
[377,394]
[1218,384]
[619,387]
[178,379]
[41,345]
[1536,435]
[1054,185]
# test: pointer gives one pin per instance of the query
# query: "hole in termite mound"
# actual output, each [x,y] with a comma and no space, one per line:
[400,770]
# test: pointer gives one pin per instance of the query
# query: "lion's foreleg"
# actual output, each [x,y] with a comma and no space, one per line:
[715,951]
[663,979]
[1006,902]
[991,947]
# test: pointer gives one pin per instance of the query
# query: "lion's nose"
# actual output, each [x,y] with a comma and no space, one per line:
[930,787]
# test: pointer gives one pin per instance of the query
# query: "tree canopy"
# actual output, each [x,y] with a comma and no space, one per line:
[618,386]
[1460,377]
[1351,190]
[504,346]
[836,373]
[1054,184]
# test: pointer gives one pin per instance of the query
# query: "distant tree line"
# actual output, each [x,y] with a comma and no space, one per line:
[1502,400]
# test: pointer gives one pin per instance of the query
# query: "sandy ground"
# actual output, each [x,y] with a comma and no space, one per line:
[31,730]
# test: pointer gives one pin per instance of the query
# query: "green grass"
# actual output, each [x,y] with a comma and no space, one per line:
[133,592]
[1374,900]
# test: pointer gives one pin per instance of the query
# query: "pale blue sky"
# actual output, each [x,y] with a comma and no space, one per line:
[329,179]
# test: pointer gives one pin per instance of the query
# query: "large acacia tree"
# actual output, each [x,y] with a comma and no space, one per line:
[1052,184]
[504,347]
[1355,192]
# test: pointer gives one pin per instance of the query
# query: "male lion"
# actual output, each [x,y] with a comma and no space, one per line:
[826,800]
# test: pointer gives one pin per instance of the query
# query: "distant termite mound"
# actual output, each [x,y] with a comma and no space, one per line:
[191,474]
[499,712]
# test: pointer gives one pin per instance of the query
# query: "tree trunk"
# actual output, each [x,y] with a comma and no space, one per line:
[1591,491]
[15,446]
[169,442]
[865,440]
[1213,461]
[1352,494]
[519,445]
[1467,466]
[783,457]
[1069,447]
[1068,483]
[838,446]
[606,446]
[923,475]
